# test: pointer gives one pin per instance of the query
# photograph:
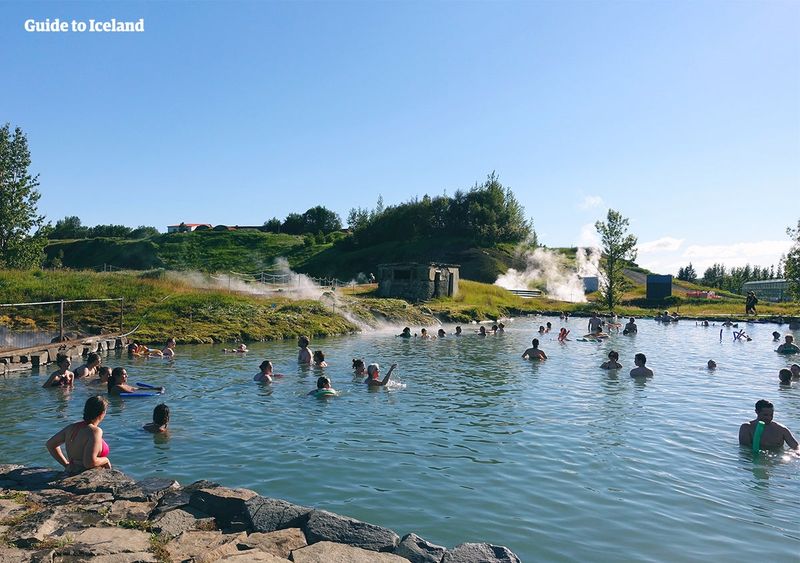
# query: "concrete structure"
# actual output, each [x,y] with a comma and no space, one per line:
[417,281]
[659,287]
[591,283]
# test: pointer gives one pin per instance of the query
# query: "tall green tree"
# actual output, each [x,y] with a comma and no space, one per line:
[22,229]
[791,264]
[618,247]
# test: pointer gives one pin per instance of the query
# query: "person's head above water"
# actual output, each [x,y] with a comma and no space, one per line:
[423,332]
[62,361]
[94,408]
[788,339]
[776,335]
[640,359]
[765,410]
[266,365]
[358,365]
[712,364]
[535,342]
[613,355]
[161,415]
[785,376]
[93,359]
[795,369]
[406,330]
[323,383]
[458,330]
[441,333]
[319,356]
[303,341]
[372,370]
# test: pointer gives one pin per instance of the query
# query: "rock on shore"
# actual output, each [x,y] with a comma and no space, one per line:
[105,516]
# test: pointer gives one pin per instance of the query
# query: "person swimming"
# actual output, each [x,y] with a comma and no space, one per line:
[160,420]
[630,327]
[169,349]
[406,333]
[641,370]
[359,369]
[118,383]
[104,374]
[562,335]
[319,359]
[534,353]
[91,366]
[240,349]
[788,347]
[323,389]
[458,331]
[423,334]
[441,333]
[83,441]
[785,376]
[613,361]
[482,331]
[62,377]
[373,373]
[712,365]
[304,354]
[265,374]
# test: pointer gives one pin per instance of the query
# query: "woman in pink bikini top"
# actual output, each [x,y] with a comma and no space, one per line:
[83,440]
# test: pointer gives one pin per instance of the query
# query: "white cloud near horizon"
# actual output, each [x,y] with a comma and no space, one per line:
[664,244]
[665,260]
[589,237]
[591,202]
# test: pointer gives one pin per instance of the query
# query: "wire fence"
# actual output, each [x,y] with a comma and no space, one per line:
[26,325]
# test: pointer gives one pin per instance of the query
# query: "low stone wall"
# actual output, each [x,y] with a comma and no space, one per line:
[12,362]
[105,516]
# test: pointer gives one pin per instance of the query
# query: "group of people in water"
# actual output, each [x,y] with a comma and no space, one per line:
[84,447]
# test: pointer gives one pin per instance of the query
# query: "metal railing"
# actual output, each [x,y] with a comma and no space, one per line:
[56,321]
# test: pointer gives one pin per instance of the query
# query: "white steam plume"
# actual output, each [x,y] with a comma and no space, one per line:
[552,271]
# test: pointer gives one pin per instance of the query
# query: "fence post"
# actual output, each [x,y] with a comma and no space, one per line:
[61,322]
[121,315]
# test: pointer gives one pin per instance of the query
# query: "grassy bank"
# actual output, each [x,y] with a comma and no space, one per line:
[161,304]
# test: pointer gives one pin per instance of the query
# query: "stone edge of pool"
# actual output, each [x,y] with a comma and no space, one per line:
[100,513]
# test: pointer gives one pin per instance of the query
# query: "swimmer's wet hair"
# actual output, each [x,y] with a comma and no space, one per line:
[763,404]
[265,364]
[161,414]
[92,357]
[372,367]
[94,407]
[785,375]
[613,355]
[322,382]
[535,342]
[319,356]
[358,363]
[641,357]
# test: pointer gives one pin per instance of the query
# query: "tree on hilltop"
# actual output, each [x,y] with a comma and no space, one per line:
[618,247]
[22,229]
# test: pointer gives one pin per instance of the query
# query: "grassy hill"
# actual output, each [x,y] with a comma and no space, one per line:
[253,251]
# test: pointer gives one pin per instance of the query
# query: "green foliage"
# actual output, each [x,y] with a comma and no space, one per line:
[733,279]
[791,263]
[315,220]
[23,234]
[485,215]
[687,274]
[70,227]
[618,247]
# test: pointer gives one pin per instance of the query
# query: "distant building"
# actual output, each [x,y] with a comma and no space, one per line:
[185,227]
[590,284]
[769,290]
[659,287]
[417,281]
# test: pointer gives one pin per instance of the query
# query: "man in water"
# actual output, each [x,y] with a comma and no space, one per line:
[630,327]
[774,434]
[534,353]
[788,347]
[795,369]
[304,354]
[641,370]
[594,323]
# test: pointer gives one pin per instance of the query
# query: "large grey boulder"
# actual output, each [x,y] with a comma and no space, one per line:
[155,487]
[480,553]
[329,552]
[32,478]
[11,555]
[269,514]
[418,550]
[172,499]
[280,543]
[35,528]
[224,504]
[252,556]
[94,542]
[327,526]
[203,547]
[130,510]
[102,480]
[175,522]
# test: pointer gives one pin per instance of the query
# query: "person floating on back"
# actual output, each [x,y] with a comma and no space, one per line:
[774,435]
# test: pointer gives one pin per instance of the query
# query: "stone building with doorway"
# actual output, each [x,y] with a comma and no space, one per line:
[416,281]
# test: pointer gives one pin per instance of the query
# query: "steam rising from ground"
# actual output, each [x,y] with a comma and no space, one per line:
[552,271]
[281,281]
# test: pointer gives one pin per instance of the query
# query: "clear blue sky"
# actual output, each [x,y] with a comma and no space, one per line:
[684,116]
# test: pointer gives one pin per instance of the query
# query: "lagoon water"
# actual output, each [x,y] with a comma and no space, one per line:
[558,460]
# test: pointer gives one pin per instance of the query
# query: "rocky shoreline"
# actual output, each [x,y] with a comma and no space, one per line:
[105,516]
